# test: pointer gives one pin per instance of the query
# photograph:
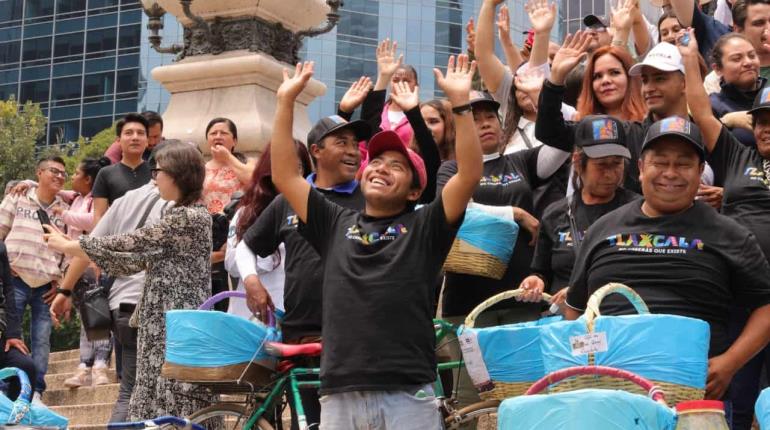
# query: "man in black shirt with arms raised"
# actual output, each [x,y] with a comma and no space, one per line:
[679,254]
[380,266]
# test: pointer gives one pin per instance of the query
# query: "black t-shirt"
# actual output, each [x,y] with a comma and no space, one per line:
[696,263]
[739,169]
[378,292]
[112,182]
[555,252]
[506,181]
[304,271]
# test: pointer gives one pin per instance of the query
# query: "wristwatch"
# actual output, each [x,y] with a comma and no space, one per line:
[65,293]
[462,110]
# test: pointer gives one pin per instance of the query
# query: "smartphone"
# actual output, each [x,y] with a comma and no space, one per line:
[42,216]
[685,39]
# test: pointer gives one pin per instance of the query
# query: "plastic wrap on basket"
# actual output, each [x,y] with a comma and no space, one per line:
[21,412]
[214,339]
[589,409]
[483,246]
[762,409]
[668,349]
[502,361]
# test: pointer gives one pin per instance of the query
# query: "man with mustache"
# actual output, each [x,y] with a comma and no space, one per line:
[698,263]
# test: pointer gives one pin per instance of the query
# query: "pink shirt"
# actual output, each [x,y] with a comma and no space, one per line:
[80,216]
[403,128]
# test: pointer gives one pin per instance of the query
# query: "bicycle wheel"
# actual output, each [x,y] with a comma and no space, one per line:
[479,416]
[234,417]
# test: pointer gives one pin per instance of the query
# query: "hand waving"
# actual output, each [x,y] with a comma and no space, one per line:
[569,55]
[356,94]
[623,16]
[404,97]
[541,15]
[691,48]
[458,80]
[387,62]
[293,86]
[470,35]
[503,23]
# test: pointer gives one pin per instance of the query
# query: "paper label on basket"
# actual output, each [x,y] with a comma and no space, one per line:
[474,362]
[588,343]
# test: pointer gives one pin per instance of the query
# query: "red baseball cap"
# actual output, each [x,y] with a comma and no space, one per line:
[388,140]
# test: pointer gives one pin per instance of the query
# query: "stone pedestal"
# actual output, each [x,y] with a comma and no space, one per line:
[239,85]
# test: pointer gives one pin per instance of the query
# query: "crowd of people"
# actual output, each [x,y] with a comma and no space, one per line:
[632,152]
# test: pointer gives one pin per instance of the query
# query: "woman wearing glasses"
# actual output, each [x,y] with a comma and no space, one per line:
[175,255]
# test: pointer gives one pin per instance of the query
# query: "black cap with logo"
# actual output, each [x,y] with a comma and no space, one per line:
[480,98]
[601,136]
[331,124]
[761,101]
[676,126]
[593,21]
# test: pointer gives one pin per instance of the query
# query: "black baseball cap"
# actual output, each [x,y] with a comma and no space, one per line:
[601,136]
[331,124]
[480,98]
[761,101]
[676,126]
[593,21]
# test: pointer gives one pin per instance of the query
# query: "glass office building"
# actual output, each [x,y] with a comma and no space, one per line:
[78,58]
[427,31]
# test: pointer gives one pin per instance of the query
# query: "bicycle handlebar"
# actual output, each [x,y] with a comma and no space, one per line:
[177,422]
[216,298]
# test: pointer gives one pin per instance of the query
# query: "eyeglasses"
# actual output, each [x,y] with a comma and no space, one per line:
[56,172]
[154,173]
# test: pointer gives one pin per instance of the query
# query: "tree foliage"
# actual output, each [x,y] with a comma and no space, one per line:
[21,128]
[95,147]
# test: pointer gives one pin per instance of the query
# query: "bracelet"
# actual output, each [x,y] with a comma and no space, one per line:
[462,110]
[618,42]
[65,293]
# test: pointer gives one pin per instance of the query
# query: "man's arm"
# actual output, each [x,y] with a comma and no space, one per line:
[459,189]
[100,206]
[683,9]
[697,99]
[284,160]
[490,67]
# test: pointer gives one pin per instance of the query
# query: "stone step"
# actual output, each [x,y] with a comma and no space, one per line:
[82,395]
[55,381]
[67,366]
[64,355]
[96,413]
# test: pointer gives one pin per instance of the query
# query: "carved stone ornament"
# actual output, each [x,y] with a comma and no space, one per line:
[253,34]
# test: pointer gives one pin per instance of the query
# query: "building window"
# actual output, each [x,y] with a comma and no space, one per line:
[68,44]
[101,40]
[38,8]
[66,91]
[36,92]
[37,49]
[9,52]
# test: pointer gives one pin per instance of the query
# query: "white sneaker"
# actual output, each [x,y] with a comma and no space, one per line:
[81,378]
[100,376]
[37,400]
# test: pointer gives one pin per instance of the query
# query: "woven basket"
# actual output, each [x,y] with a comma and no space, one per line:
[502,390]
[675,393]
[470,260]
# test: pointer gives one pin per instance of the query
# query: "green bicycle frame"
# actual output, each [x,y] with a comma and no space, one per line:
[294,385]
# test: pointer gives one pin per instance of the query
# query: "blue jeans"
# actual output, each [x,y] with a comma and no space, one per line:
[40,326]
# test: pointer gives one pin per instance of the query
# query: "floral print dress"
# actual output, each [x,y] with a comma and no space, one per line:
[220,184]
[175,254]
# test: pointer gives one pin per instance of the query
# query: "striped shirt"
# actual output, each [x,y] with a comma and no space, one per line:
[20,229]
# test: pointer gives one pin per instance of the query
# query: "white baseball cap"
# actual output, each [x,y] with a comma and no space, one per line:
[664,57]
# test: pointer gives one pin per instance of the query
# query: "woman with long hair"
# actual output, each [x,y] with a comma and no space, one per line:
[174,253]
[608,88]
[438,117]
[269,272]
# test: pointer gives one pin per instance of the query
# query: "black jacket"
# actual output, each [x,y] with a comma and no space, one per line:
[731,99]
[10,323]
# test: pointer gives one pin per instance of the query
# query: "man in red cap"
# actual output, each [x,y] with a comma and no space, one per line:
[380,265]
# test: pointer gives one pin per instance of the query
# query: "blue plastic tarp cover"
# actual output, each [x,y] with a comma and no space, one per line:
[762,409]
[585,410]
[214,339]
[491,234]
[665,348]
[38,416]
[511,352]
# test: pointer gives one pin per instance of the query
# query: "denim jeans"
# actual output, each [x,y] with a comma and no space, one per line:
[40,326]
[125,339]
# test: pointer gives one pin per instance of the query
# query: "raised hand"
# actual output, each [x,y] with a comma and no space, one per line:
[691,48]
[503,23]
[571,53]
[470,35]
[293,86]
[356,94]
[541,15]
[458,80]
[406,98]
[530,82]
[623,16]
[387,62]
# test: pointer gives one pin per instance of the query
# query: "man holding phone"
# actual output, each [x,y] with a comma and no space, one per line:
[36,270]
